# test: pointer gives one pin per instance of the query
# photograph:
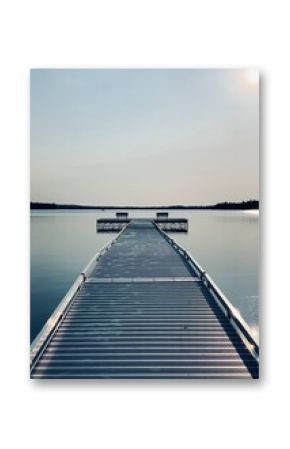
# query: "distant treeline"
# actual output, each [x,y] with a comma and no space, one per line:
[244,205]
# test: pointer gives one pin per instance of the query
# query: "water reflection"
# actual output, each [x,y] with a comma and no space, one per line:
[248,217]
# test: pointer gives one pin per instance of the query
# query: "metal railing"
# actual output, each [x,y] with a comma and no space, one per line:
[225,305]
[47,332]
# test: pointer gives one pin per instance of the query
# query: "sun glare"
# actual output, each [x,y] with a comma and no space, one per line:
[251,77]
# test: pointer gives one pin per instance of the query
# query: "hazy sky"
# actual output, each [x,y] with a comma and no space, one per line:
[144,136]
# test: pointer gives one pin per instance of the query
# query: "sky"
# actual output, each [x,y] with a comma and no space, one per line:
[144,136]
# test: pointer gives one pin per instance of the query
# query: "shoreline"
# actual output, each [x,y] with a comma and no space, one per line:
[244,205]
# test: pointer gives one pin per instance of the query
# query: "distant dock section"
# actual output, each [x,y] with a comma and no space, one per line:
[118,223]
[111,224]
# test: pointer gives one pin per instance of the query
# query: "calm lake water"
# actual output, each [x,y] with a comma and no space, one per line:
[225,243]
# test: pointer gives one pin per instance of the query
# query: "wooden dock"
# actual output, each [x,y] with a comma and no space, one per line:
[144,308]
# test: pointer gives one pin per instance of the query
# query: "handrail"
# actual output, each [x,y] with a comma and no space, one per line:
[42,339]
[229,310]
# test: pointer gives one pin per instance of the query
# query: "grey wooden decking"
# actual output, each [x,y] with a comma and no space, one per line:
[143,312]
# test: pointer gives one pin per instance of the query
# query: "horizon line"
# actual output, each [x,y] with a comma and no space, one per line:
[168,206]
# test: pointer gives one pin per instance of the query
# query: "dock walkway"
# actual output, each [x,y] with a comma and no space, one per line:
[144,309]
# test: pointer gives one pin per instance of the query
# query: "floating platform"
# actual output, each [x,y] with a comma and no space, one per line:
[144,308]
[172,224]
[111,224]
[122,219]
